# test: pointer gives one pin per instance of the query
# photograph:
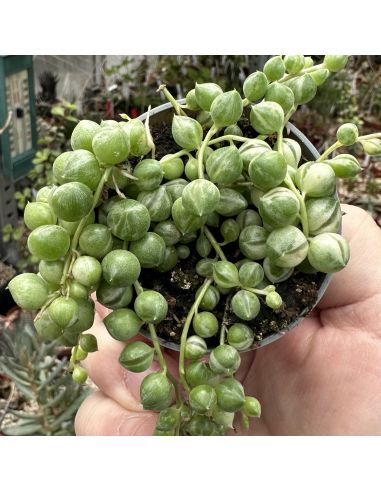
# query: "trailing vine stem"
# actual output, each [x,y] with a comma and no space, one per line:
[212,130]
[338,145]
[81,225]
[230,138]
[303,212]
[214,243]
[177,107]
[302,72]
[156,344]
[207,283]
[152,330]
[178,154]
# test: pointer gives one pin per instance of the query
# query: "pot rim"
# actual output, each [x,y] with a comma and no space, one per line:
[302,139]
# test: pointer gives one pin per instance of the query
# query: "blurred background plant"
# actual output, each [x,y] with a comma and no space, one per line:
[37,394]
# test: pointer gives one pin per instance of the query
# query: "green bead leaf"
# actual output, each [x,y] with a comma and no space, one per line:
[200,197]
[279,207]
[186,132]
[240,336]
[316,179]
[123,324]
[226,109]
[287,246]
[334,63]
[245,305]
[255,86]
[274,68]
[267,117]
[345,165]
[156,392]
[328,252]
[323,214]
[280,94]
[151,306]
[224,166]
[137,357]
[149,250]
[29,291]
[224,359]
[225,274]
[205,94]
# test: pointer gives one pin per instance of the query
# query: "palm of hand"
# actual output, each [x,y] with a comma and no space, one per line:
[322,378]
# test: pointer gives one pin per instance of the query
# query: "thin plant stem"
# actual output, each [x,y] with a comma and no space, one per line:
[302,72]
[214,243]
[201,151]
[303,212]
[81,225]
[280,141]
[329,151]
[237,138]
[178,154]
[337,145]
[162,88]
[156,345]
[184,334]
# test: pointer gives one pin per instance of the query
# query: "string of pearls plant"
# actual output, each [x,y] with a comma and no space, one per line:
[281,213]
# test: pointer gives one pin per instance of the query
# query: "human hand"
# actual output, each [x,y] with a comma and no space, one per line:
[322,378]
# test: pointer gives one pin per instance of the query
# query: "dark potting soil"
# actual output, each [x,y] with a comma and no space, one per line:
[179,286]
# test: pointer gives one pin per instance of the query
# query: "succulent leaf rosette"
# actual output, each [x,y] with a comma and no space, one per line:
[244,206]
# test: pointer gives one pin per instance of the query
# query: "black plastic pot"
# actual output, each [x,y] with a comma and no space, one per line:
[164,114]
[6,299]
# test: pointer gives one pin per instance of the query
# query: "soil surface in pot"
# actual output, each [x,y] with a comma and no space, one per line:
[179,286]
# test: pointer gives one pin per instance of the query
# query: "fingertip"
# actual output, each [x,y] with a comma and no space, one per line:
[99,415]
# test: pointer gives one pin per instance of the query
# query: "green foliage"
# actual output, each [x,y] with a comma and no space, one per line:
[51,398]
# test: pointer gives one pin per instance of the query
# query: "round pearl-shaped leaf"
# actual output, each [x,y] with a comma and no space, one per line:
[151,306]
[255,86]
[226,109]
[323,214]
[286,247]
[83,135]
[149,250]
[316,179]
[224,166]
[267,117]
[111,146]
[245,305]
[37,214]
[128,220]
[72,201]
[186,132]
[49,242]
[252,242]
[120,268]
[29,291]
[328,252]
[231,203]
[268,170]
[123,324]
[78,165]
[200,197]
[185,221]
[279,207]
